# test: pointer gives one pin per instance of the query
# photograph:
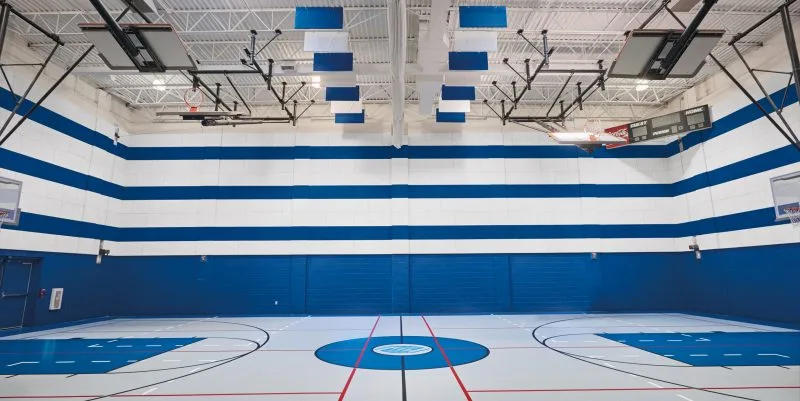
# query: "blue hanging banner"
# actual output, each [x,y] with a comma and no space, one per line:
[482,17]
[333,61]
[319,18]
[342,93]
[349,118]
[450,117]
[458,92]
[468,61]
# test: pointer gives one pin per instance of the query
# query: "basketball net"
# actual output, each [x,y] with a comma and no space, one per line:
[193,99]
[592,127]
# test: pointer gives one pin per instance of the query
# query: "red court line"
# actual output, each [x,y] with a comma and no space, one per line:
[552,390]
[358,361]
[446,359]
[170,395]
[566,390]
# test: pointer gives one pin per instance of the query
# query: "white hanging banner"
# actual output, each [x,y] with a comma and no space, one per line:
[475,41]
[454,106]
[326,42]
[346,107]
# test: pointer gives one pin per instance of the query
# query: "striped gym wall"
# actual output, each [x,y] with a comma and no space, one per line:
[322,222]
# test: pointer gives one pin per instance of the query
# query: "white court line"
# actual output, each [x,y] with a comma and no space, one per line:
[124,346]
[150,391]
[782,356]
[674,341]
[101,361]
[731,354]
[152,345]
[646,341]
[654,385]
[65,361]
[685,398]
[698,354]
[21,363]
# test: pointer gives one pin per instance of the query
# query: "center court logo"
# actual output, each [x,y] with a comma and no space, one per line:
[402,349]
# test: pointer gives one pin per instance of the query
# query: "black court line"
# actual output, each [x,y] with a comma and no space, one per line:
[402,362]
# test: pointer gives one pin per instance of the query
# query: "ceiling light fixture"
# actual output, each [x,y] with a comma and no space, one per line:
[642,85]
[315,81]
[159,85]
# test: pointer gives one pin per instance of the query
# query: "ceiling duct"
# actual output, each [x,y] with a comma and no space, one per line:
[398,32]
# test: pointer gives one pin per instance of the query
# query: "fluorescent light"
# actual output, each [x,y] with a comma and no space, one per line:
[315,81]
[159,84]
[642,85]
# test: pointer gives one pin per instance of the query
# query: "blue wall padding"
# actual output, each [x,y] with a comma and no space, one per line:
[450,117]
[342,93]
[333,61]
[468,61]
[458,92]
[482,17]
[319,18]
[350,118]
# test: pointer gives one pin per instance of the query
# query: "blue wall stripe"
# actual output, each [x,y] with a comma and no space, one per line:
[62,124]
[53,225]
[48,171]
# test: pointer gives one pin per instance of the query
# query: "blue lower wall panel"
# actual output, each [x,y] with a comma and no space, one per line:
[754,282]
[349,284]
[456,283]
[87,287]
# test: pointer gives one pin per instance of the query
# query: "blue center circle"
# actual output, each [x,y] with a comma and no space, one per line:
[408,352]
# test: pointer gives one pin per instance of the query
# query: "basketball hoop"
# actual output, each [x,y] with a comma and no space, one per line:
[193,99]
[794,215]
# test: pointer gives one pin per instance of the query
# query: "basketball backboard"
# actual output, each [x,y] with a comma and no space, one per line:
[160,49]
[10,192]
[786,194]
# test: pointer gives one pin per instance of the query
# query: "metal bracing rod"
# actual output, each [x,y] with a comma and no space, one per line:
[580,96]
[486,102]
[24,96]
[53,87]
[306,109]
[560,92]
[788,32]
[520,33]
[750,97]
[30,22]
[536,119]
[505,61]
[773,72]
[302,85]
[763,90]
[546,54]
[5,15]
[218,99]
[236,90]
[277,33]
[755,26]
[222,72]
[652,16]
[528,73]
[588,89]
[494,83]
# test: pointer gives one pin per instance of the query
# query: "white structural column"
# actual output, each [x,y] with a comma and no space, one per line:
[397,42]
[432,56]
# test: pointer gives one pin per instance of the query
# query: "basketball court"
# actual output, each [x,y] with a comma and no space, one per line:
[401,200]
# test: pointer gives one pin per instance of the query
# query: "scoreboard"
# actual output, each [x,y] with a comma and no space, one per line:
[680,122]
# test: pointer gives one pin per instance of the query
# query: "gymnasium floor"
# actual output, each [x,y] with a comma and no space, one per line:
[491,357]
